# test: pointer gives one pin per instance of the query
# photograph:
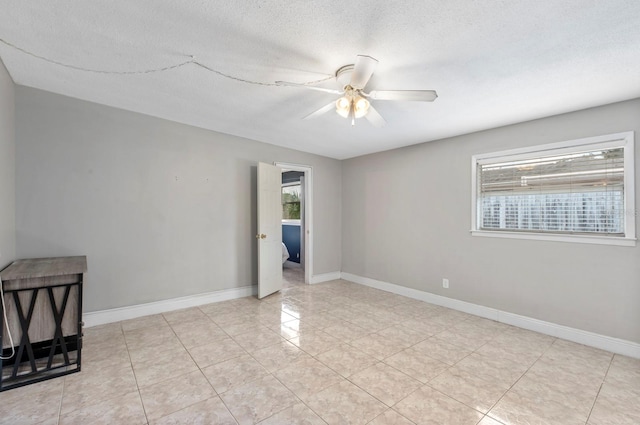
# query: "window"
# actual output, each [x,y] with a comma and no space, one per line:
[291,202]
[578,191]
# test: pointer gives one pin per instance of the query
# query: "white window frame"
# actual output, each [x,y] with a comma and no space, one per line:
[292,221]
[618,140]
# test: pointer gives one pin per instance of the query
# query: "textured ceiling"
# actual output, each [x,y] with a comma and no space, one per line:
[492,62]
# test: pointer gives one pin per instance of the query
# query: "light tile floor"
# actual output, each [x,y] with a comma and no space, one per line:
[333,353]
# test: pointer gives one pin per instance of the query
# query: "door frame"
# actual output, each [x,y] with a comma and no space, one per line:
[308,214]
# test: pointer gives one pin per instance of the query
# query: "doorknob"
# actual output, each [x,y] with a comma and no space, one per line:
[261,236]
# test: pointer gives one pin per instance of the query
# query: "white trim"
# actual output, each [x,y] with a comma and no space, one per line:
[101,317]
[604,141]
[624,140]
[325,277]
[603,342]
[476,310]
[615,345]
[599,240]
[629,186]
[308,214]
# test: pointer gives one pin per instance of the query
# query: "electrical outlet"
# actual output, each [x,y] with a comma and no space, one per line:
[445,283]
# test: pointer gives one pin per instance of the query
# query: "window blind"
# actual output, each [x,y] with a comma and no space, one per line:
[577,192]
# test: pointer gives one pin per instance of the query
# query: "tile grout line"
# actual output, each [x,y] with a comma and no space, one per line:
[64,381]
[200,369]
[144,410]
[378,361]
[250,355]
[113,396]
[479,377]
[394,322]
[518,380]
[227,407]
[301,401]
[164,380]
[342,378]
[283,384]
[599,389]
[385,404]
[443,371]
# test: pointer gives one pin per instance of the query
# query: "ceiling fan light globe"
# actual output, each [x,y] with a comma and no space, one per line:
[343,106]
[361,107]
[343,103]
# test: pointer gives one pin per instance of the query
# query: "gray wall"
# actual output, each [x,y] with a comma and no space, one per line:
[7,168]
[407,216]
[165,210]
[162,210]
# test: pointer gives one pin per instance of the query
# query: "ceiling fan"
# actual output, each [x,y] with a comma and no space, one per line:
[354,102]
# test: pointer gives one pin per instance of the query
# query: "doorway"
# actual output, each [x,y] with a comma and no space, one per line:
[297,224]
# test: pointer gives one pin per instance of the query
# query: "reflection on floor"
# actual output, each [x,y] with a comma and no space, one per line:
[330,353]
[292,276]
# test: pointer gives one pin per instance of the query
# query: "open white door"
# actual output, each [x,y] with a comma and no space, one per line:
[269,229]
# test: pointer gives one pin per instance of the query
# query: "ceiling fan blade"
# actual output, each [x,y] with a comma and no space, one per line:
[329,107]
[375,118]
[362,71]
[414,95]
[288,84]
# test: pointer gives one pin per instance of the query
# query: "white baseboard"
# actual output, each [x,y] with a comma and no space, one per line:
[325,277]
[615,345]
[95,318]
[102,317]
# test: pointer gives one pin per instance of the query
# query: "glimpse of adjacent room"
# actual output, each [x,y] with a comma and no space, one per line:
[292,227]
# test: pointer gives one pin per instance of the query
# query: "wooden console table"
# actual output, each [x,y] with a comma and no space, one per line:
[43,300]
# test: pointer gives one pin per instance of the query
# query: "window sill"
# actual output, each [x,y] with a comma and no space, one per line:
[291,222]
[599,240]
